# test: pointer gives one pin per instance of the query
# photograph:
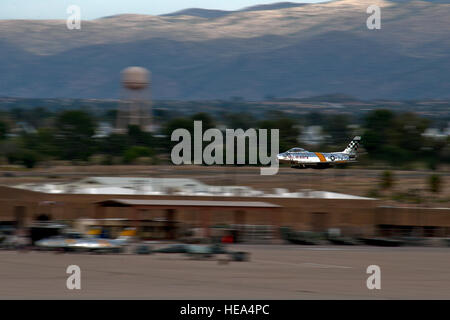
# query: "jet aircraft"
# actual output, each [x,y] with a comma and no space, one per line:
[302,159]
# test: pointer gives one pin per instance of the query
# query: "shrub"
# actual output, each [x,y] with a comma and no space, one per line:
[136,152]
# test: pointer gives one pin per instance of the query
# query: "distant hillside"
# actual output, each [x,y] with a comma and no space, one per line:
[208,13]
[274,6]
[280,50]
[197,12]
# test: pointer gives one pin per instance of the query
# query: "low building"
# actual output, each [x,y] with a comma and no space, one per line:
[107,199]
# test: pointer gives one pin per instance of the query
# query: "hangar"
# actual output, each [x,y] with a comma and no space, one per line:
[199,213]
[160,208]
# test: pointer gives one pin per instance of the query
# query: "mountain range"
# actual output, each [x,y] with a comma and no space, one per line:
[208,13]
[280,50]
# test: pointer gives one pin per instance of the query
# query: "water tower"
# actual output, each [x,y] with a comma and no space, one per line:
[135,105]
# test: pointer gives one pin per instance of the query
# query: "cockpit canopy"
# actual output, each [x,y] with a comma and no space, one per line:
[296,150]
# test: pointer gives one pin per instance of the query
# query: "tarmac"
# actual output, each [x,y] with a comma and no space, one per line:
[273,272]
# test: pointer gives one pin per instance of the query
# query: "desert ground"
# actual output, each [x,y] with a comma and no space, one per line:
[273,272]
[354,180]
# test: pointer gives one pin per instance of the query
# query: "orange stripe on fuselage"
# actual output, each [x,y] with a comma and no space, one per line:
[321,157]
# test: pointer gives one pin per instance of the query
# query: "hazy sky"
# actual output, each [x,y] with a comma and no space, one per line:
[92,9]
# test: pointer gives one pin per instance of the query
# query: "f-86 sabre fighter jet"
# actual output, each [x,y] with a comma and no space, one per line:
[302,159]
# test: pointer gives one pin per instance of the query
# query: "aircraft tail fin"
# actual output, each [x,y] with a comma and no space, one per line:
[352,148]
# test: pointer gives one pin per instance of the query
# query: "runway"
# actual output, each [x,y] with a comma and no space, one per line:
[273,272]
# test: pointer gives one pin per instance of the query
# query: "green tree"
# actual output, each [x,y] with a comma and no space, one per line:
[178,123]
[289,131]
[113,145]
[387,180]
[136,152]
[29,158]
[138,137]
[337,127]
[207,120]
[378,124]
[74,131]
[435,183]
[408,130]
[42,142]
[4,129]
[395,137]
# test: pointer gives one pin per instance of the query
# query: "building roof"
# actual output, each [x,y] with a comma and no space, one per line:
[123,186]
[136,181]
[313,194]
[415,208]
[185,203]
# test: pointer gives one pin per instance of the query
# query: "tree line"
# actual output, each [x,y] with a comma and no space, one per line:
[28,137]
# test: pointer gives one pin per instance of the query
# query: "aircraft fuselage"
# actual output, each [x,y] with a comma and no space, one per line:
[301,158]
[308,158]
